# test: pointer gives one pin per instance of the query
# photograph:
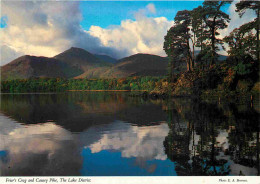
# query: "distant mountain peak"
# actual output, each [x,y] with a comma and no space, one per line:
[80,58]
[76,49]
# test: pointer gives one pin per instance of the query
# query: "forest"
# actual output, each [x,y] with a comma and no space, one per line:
[60,85]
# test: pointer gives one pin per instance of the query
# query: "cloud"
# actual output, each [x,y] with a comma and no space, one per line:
[236,21]
[151,8]
[47,28]
[26,147]
[131,141]
[144,35]
[8,54]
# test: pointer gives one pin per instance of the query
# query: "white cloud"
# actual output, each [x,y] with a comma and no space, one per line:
[151,8]
[131,141]
[28,146]
[46,28]
[8,54]
[145,35]
[236,21]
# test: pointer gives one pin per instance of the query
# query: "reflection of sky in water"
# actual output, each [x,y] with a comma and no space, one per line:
[44,149]
[123,149]
[114,164]
[131,141]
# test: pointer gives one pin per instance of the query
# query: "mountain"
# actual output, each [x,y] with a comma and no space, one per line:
[91,65]
[80,58]
[79,63]
[106,58]
[27,66]
[139,65]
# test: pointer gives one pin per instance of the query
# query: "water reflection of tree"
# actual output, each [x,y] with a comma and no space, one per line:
[190,158]
[244,136]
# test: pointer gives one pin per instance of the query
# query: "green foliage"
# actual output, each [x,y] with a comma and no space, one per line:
[242,7]
[242,42]
[243,69]
[59,85]
[215,19]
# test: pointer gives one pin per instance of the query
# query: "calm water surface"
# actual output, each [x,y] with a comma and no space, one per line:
[113,134]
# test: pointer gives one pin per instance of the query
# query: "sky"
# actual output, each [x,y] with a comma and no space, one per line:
[115,28]
[105,14]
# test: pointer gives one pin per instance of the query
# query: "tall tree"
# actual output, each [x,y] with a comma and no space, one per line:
[198,25]
[215,19]
[177,41]
[184,19]
[242,7]
[242,43]
[175,46]
[199,36]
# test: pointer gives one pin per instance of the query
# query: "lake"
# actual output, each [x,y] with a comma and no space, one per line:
[114,134]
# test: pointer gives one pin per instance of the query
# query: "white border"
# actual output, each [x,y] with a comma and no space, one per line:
[132,180]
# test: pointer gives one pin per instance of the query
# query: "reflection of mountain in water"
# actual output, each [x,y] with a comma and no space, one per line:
[41,145]
[78,111]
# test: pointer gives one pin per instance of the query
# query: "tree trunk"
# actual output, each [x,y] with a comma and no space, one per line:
[193,51]
[191,64]
[257,34]
[170,69]
[213,45]
[201,48]
[188,64]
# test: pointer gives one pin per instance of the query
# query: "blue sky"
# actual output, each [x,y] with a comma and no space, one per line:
[106,13]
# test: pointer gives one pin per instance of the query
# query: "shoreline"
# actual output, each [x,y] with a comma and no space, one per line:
[101,90]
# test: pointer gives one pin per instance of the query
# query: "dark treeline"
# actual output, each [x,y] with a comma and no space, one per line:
[194,41]
[59,85]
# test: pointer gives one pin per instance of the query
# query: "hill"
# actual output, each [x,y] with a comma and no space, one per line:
[79,63]
[80,58]
[139,65]
[27,66]
[91,65]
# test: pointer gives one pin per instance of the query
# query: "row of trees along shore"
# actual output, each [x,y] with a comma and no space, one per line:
[59,84]
[198,31]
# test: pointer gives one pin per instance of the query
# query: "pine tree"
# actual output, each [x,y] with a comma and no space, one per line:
[215,19]
[242,7]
